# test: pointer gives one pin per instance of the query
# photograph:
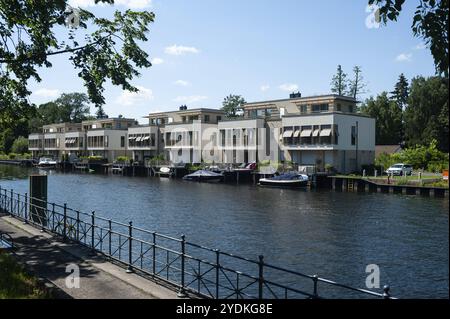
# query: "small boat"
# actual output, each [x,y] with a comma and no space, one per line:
[47,162]
[165,172]
[288,180]
[204,176]
[246,167]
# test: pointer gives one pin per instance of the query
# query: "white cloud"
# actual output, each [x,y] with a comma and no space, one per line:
[181,50]
[182,83]
[132,4]
[46,93]
[265,87]
[190,99]
[404,57]
[133,98]
[420,46]
[157,61]
[289,87]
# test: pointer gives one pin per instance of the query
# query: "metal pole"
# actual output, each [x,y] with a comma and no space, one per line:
[154,253]
[26,209]
[78,226]
[217,272]
[315,280]
[65,222]
[261,277]
[182,293]
[93,230]
[130,248]
[12,203]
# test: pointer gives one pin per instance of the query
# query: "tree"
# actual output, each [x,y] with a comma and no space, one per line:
[430,22]
[400,96]
[73,107]
[426,115]
[233,106]
[20,145]
[357,85]
[101,113]
[28,39]
[339,83]
[388,119]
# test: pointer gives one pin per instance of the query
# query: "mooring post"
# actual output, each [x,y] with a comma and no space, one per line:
[130,248]
[315,280]
[386,293]
[261,277]
[182,293]
[38,196]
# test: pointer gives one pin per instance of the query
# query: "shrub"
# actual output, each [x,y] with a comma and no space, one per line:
[122,159]
[20,145]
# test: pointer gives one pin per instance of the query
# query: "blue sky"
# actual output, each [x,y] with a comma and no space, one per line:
[262,49]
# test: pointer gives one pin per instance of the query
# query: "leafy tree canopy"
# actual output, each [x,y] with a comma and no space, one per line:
[430,22]
[233,105]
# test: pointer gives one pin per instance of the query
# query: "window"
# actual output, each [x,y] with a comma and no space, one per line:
[354,133]
[219,118]
[303,108]
[122,141]
[206,118]
[339,107]
[183,119]
[351,108]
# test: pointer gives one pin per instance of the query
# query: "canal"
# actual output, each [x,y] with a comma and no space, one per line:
[335,235]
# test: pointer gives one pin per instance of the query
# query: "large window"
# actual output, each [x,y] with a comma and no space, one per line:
[354,133]
[317,108]
[122,141]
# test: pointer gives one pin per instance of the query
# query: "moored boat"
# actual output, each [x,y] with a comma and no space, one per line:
[287,180]
[47,162]
[165,172]
[204,176]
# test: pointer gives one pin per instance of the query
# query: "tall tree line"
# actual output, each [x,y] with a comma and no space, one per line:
[412,114]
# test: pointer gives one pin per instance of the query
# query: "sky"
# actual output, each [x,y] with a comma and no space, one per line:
[204,50]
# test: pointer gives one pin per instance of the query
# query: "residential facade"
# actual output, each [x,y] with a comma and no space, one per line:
[321,131]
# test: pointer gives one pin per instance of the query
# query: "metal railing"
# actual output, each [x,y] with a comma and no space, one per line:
[188,267]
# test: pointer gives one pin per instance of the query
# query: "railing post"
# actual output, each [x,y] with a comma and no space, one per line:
[18,205]
[154,253]
[315,279]
[26,209]
[217,272]
[54,229]
[65,222]
[130,248]
[110,237]
[261,277]
[78,226]
[93,230]
[12,203]
[182,292]
[386,293]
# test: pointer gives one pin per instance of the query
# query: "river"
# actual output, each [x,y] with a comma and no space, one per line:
[332,234]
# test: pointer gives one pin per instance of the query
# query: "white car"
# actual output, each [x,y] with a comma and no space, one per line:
[400,169]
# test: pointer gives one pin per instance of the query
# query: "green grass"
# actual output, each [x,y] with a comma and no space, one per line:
[16,283]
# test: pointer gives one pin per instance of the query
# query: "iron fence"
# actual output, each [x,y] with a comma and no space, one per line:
[188,267]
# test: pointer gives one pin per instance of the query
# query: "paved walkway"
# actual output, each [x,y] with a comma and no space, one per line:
[48,258]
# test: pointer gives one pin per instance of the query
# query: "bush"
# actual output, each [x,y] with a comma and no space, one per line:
[122,159]
[20,145]
[12,156]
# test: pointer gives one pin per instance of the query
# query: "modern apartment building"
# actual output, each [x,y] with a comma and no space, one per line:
[322,131]
[101,137]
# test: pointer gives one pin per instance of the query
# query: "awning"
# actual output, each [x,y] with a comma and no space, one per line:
[297,133]
[325,132]
[132,138]
[138,139]
[288,133]
[145,138]
[316,133]
[306,133]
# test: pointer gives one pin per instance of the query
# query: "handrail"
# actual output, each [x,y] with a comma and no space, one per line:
[188,267]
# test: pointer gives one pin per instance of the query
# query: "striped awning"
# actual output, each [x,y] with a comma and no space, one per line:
[325,132]
[306,133]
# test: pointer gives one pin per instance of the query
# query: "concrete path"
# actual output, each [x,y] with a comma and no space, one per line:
[48,258]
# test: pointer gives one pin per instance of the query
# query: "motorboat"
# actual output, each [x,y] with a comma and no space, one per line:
[47,162]
[204,176]
[165,172]
[288,180]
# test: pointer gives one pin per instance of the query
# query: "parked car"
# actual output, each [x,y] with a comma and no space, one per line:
[400,169]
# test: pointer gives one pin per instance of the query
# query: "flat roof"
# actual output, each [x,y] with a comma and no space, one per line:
[201,110]
[299,99]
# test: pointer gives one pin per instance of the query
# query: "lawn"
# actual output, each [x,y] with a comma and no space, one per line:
[15,282]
